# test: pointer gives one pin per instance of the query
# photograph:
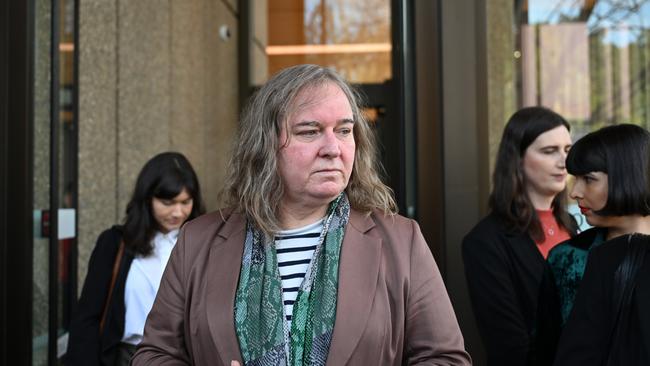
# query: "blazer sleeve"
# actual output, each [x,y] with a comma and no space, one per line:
[495,302]
[584,340]
[84,344]
[432,334]
[164,340]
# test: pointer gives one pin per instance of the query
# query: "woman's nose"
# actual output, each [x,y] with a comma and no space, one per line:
[576,191]
[177,210]
[330,146]
[562,159]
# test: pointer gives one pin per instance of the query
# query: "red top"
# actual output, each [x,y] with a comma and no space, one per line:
[553,233]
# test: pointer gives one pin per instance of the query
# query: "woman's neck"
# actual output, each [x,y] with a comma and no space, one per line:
[622,225]
[541,202]
[292,217]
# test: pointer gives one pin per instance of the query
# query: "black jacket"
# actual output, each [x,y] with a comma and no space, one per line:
[504,273]
[588,334]
[86,346]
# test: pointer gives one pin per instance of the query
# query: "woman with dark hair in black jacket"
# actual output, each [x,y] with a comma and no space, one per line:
[608,324]
[504,254]
[105,328]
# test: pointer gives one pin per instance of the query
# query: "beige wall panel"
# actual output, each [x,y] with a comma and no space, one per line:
[259,59]
[260,10]
[204,89]
[41,176]
[97,124]
[144,102]
[500,76]
[154,76]
[231,5]
[221,98]
[260,65]
[188,81]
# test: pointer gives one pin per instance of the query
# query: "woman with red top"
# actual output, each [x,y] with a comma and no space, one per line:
[504,254]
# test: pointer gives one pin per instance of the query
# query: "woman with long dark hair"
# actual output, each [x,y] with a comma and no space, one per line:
[504,254]
[127,263]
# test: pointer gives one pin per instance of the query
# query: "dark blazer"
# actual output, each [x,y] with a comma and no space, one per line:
[85,345]
[392,306]
[504,271]
[586,337]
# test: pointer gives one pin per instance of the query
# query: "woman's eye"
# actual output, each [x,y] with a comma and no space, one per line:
[307,133]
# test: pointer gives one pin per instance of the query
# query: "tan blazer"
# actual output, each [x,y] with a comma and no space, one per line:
[392,305]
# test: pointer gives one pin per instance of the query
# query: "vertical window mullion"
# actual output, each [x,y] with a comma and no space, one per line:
[54,187]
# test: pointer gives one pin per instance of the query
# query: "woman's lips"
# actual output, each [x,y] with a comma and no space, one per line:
[327,171]
[583,210]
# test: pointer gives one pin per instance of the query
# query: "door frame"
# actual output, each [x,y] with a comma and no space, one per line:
[16,123]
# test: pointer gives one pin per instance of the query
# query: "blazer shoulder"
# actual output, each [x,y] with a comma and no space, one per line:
[611,253]
[208,222]
[487,228]
[585,239]
[109,240]
[492,235]
[206,228]
[391,219]
[392,223]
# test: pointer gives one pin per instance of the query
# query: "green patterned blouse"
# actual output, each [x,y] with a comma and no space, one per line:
[568,261]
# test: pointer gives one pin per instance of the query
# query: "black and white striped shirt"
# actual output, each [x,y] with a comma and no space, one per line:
[294,249]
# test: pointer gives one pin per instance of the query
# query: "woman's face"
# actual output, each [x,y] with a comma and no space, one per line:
[544,164]
[590,192]
[316,158]
[172,213]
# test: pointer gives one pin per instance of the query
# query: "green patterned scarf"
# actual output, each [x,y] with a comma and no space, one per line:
[262,330]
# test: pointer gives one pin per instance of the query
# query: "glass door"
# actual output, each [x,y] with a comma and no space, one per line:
[54,178]
[64,255]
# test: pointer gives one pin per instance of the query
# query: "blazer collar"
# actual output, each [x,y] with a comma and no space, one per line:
[358,272]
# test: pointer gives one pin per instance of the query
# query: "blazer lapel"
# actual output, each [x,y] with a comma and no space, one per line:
[358,273]
[222,277]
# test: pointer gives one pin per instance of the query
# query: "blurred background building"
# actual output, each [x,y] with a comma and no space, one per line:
[91,89]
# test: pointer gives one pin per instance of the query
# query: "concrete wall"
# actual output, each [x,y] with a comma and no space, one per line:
[154,76]
[41,254]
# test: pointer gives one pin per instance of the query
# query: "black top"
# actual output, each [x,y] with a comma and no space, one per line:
[504,272]
[86,346]
[587,337]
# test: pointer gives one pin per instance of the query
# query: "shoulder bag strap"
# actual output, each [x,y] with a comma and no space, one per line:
[116,269]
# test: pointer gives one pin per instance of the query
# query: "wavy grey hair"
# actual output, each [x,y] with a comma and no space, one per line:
[253,184]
